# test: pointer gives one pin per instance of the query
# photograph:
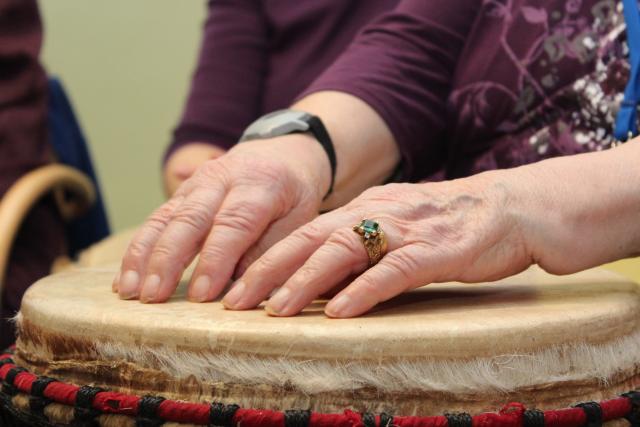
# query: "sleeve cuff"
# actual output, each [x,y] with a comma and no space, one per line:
[186,135]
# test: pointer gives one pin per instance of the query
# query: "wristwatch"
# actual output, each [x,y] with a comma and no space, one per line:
[285,122]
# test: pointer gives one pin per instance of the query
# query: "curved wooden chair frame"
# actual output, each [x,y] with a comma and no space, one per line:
[73,191]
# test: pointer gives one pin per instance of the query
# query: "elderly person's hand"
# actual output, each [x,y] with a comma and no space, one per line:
[456,230]
[236,206]
[564,214]
[231,204]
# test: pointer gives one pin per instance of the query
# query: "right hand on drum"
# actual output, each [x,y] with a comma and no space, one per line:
[230,211]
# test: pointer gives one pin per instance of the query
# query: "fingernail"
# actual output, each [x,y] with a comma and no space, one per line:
[128,287]
[277,302]
[234,295]
[199,291]
[340,307]
[150,288]
[116,281]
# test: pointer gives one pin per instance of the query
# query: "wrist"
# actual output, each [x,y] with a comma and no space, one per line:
[510,194]
[304,156]
[579,211]
[288,122]
[313,162]
[523,204]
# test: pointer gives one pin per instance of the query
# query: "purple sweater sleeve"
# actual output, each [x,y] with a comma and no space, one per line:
[409,56]
[225,94]
[23,92]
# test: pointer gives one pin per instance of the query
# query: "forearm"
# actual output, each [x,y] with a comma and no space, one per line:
[579,211]
[365,149]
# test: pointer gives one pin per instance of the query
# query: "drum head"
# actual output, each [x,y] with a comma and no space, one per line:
[537,338]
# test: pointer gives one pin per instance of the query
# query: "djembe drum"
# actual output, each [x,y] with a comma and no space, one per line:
[443,355]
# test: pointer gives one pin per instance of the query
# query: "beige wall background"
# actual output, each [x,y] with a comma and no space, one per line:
[126,66]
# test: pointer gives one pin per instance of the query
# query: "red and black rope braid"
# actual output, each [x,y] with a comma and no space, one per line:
[593,412]
[634,415]
[37,401]
[84,413]
[153,411]
[222,415]
[8,386]
[533,418]
[460,419]
[297,418]
[148,412]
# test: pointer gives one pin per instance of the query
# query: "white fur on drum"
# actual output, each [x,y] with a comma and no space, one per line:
[571,362]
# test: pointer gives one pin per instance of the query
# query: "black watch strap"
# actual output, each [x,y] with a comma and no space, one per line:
[284,122]
[320,133]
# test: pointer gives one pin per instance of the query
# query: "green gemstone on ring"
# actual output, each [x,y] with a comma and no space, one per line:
[369,227]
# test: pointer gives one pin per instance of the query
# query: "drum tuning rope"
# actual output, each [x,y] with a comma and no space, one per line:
[93,406]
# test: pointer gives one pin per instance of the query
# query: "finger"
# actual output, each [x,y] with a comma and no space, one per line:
[116,280]
[274,233]
[127,280]
[281,261]
[343,254]
[241,220]
[396,273]
[180,242]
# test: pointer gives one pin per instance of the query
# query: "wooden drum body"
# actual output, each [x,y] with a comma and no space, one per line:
[545,341]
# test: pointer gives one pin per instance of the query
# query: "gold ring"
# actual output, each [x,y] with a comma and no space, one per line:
[373,238]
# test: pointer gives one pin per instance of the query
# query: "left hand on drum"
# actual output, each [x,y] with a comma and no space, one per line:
[229,211]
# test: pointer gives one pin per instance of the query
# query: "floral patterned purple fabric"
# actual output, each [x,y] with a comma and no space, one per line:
[467,86]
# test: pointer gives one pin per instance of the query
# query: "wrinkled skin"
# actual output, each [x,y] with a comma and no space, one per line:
[564,214]
[229,211]
[458,230]
[185,161]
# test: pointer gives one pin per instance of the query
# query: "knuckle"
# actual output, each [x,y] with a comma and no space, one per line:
[404,265]
[211,168]
[242,217]
[345,240]
[310,232]
[263,266]
[136,251]
[367,285]
[212,254]
[184,188]
[193,215]
[258,210]
[212,171]
[163,212]
[156,223]
[160,217]
[162,251]
[307,274]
